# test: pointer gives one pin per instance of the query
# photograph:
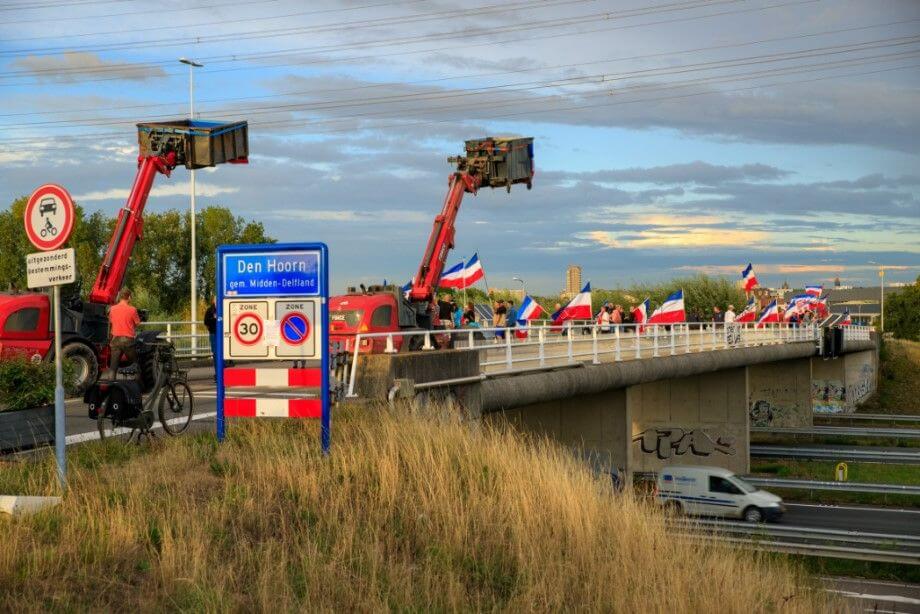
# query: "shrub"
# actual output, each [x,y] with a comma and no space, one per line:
[25,384]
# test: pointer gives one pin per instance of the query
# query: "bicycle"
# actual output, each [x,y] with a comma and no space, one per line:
[171,396]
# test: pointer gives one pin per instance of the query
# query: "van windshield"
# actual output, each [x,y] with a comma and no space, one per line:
[744,486]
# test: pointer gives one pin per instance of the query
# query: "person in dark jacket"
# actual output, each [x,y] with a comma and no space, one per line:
[210,322]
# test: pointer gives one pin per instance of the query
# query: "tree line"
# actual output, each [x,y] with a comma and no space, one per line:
[159,271]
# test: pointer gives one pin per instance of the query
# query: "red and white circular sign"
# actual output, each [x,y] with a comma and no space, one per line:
[248,328]
[49,217]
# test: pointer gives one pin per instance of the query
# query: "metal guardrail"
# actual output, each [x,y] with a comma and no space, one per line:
[832,543]
[900,433]
[188,345]
[870,417]
[855,487]
[521,348]
[854,454]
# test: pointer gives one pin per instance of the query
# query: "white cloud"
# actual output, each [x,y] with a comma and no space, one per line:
[171,189]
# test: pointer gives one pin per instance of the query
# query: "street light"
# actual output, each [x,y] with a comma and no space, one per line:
[881,277]
[193,266]
[523,293]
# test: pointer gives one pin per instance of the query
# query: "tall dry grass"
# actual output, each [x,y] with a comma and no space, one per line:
[406,514]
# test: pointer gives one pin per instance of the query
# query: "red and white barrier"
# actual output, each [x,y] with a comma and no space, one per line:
[275,378]
[272,408]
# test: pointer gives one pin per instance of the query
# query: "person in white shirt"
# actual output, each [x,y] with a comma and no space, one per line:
[730,314]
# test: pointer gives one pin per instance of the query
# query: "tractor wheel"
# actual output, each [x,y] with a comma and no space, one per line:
[82,359]
[147,363]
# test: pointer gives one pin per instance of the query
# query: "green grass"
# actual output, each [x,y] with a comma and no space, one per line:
[891,572]
[899,386]
[834,440]
[870,473]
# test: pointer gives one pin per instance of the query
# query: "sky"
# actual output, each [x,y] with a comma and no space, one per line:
[671,136]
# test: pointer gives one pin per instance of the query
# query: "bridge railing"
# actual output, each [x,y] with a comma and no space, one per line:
[188,346]
[857,333]
[508,350]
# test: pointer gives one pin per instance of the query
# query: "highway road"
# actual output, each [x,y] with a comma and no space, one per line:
[868,519]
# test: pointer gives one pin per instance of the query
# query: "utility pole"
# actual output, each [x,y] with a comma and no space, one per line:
[193,267]
[523,289]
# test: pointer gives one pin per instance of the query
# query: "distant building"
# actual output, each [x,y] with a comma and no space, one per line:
[572,281]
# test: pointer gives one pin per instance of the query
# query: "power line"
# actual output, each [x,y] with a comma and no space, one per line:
[605,92]
[474,75]
[505,40]
[555,82]
[283,32]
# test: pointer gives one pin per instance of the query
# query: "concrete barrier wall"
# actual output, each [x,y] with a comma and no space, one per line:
[697,420]
[779,393]
[839,385]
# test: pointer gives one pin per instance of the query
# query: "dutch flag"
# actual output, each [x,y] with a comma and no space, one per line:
[750,280]
[530,310]
[750,312]
[671,311]
[770,314]
[579,308]
[463,276]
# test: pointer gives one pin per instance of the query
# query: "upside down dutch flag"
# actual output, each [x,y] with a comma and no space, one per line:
[640,313]
[579,308]
[770,314]
[750,280]
[750,312]
[670,311]
[846,320]
[814,291]
[463,276]
[530,310]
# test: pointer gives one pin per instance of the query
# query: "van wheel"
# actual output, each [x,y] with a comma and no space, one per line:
[673,508]
[753,514]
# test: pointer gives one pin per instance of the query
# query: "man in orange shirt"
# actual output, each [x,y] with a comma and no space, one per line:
[124,319]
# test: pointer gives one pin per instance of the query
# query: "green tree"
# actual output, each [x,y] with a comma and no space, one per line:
[902,312]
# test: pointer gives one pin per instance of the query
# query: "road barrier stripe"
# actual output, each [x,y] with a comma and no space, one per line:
[272,408]
[249,378]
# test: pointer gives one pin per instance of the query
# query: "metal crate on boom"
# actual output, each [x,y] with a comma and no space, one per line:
[500,161]
[198,144]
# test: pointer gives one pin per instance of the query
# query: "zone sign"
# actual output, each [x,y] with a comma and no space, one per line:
[245,329]
[49,217]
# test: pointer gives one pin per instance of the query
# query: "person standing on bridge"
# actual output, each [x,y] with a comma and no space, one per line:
[730,315]
[210,322]
[123,318]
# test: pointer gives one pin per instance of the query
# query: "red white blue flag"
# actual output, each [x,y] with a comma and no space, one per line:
[671,311]
[579,308]
[748,277]
[640,313]
[530,310]
[814,291]
[846,320]
[463,276]
[770,314]
[750,312]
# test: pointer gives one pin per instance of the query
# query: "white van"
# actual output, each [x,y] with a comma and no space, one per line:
[712,491]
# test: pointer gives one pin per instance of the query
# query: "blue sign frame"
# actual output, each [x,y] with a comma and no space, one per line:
[254,254]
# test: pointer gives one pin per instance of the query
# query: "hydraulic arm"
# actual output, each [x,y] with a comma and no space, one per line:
[128,228]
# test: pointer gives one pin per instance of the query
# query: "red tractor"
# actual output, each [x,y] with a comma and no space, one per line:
[493,162]
[25,318]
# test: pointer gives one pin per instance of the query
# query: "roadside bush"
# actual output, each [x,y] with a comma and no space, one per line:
[25,384]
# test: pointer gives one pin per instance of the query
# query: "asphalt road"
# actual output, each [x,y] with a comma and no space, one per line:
[853,518]
[875,595]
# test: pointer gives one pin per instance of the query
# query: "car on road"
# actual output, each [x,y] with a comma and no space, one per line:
[713,491]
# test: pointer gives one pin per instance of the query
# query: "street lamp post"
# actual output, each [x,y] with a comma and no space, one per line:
[193,266]
[523,291]
[881,277]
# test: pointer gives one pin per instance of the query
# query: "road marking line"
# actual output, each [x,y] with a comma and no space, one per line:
[93,435]
[852,507]
[887,598]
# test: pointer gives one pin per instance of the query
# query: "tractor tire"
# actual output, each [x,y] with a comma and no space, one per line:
[85,366]
[146,362]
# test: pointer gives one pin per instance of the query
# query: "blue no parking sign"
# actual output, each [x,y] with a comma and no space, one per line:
[273,305]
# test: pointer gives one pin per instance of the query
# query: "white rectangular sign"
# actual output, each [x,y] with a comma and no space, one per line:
[46,269]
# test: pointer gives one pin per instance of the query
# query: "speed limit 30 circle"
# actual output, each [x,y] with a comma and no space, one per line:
[248,328]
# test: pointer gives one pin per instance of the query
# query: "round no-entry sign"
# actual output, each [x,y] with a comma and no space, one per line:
[49,217]
[295,328]
[248,328]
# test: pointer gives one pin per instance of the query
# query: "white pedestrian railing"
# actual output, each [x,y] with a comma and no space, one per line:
[507,350]
[857,333]
[188,346]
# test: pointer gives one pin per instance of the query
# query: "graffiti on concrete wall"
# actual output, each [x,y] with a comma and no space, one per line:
[763,413]
[828,396]
[672,441]
[862,388]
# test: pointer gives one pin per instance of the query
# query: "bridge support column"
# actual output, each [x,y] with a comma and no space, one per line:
[839,385]
[696,420]
[779,393]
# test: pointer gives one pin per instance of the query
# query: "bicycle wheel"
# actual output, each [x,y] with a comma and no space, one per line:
[108,429]
[175,408]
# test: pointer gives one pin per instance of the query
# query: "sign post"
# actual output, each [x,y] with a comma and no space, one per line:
[49,221]
[273,305]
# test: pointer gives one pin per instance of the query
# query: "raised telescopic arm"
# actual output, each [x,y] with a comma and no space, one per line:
[128,228]
[441,240]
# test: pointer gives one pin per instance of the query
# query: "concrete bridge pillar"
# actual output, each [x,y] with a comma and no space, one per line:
[696,420]
[840,384]
[779,393]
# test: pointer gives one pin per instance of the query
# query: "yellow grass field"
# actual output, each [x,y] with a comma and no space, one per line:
[406,514]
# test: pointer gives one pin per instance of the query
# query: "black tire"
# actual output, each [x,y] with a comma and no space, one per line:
[753,514]
[107,428]
[147,363]
[176,403]
[83,360]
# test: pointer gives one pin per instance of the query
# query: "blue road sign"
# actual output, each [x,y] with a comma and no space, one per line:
[282,270]
[295,328]
[277,273]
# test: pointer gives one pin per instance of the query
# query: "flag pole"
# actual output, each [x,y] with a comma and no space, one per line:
[463,306]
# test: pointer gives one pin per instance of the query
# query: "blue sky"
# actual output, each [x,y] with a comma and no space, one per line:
[670,137]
